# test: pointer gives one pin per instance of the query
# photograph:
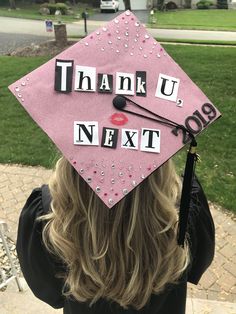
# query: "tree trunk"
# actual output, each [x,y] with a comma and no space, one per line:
[127,4]
[12,4]
[60,34]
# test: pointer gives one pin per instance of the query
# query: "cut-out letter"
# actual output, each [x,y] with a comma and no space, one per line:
[86,133]
[167,87]
[105,83]
[85,79]
[150,140]
[124,83]
[129,139]
[63,75]
[109,137]
[141,83]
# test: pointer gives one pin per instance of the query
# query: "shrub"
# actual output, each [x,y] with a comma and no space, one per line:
[171,5]
[54,7]
[222,4]
[204,4]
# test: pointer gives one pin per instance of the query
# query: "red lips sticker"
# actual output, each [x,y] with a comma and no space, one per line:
[118,119]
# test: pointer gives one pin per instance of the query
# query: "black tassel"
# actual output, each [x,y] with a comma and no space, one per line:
[186,192]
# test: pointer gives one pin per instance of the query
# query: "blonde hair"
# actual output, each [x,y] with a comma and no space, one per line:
[123,254]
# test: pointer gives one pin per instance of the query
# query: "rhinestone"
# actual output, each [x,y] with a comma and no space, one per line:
[116,21]
[117,32]
[158,55]
[23,83]
[17,89]
[130,168]
[131,53]
[134,183]
[145,56]
[155,43]
[102,173]
[109,42]
[121,174]
[81,171]
[154,166]
[137,24]
[98,33]
[102,49]
[125,191]
[126,22]
[136,40]
[126,33]
[150,51]
[126,46]
[113,166]
[147,36]
[19,95]
[140,48]
[110,201]
[112,181]
[22,100]
[98,189]
[104,29]
[117,51]
[137,35]
[86,44]
[89,180]
[118,37]
[142,176]
[27,79]
[127,13]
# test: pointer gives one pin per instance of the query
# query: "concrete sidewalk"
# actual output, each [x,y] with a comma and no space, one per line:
[215,294]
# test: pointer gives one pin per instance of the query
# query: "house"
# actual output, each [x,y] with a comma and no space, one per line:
[148,4]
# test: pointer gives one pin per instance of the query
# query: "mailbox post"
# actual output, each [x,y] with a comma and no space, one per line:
[85,16]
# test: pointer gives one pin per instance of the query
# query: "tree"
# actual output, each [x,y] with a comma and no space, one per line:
[12,4]
[127,4]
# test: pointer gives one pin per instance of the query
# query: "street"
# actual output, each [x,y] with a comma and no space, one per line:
[23,32]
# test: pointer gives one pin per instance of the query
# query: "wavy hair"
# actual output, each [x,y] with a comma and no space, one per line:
[123,254]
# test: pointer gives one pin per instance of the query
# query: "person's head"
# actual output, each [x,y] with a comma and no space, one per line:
[123,254]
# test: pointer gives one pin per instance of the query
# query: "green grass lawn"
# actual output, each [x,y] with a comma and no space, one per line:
[197,19]
[213,69]
[32,12]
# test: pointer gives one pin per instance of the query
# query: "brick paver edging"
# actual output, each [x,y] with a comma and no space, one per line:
[218,283]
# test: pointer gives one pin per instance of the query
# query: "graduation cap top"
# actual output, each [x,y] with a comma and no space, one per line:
[116,105]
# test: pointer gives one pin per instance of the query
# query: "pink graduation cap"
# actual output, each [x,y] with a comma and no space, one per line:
[117,106]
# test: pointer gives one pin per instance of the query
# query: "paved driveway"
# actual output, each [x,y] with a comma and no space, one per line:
[142,15]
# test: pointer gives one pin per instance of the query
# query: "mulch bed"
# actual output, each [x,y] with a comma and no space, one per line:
[48,48]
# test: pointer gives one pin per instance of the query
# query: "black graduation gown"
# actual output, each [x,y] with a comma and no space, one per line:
[39,267]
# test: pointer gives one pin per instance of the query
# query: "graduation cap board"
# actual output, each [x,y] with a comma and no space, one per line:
[116,105]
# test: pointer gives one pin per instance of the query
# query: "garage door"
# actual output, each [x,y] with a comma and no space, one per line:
[135,5]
